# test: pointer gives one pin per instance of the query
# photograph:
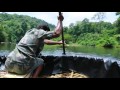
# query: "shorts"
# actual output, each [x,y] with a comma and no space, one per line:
[22,68]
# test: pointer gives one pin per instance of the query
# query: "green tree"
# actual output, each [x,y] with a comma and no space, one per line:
[2,36]
[117,23]
[14,26]
[24,27]
[99,17]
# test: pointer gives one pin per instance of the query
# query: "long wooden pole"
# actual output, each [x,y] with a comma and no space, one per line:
[62,37]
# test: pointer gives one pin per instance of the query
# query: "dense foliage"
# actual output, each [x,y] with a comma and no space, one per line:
[13,27]
[97,33]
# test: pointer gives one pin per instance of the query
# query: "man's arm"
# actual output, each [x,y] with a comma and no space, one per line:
[59,27]
[51,42]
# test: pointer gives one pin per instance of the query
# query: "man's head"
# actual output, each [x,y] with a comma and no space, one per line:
[44,27]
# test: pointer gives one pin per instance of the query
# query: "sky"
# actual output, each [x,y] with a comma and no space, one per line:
[69,17]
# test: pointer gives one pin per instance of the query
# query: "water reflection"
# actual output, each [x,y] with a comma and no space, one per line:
[83,51]
[80,54]
[97,51]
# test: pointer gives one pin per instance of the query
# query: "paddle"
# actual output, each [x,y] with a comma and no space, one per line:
[62,37]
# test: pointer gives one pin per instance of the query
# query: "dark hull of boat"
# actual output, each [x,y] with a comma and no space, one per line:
[94,68]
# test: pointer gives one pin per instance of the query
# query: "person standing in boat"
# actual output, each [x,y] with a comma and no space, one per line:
[23,59]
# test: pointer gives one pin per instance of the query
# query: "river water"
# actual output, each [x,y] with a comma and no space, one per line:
[84,51]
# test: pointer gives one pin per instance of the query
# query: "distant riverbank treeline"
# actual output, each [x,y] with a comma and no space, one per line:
[13,27]
[98,33]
